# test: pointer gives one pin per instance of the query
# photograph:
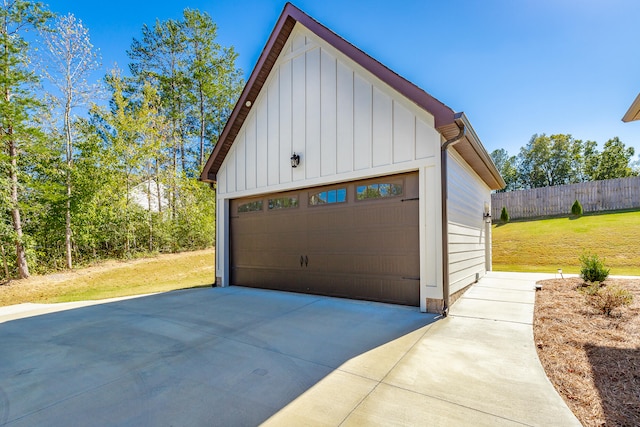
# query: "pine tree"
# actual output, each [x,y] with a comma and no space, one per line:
[17,103]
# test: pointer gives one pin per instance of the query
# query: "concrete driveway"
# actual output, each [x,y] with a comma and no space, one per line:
[242,357]
[218,356]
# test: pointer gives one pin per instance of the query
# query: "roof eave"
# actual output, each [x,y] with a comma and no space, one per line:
[250,92]
[473,152]
[634,111]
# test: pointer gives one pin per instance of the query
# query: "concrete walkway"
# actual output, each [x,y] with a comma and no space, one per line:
[238,356]
[477,367]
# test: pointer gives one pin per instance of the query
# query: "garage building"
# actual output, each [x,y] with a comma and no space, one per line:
[329,179]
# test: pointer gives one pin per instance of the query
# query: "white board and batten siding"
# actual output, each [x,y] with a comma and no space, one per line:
[342,121]
[467,195]
[345,124]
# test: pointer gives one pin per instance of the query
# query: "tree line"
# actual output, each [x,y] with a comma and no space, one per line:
[109,169]
[549,160]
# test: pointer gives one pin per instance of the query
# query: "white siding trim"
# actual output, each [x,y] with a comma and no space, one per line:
[430,234]
[333,179]
[222,242]
[466,227]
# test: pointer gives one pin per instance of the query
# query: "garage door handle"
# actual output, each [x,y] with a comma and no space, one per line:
[301,260]
[306,261]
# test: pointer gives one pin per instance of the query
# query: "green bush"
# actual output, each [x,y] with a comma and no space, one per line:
[504,215]
[592,268]
[605,299]
[576,209]
[590,289]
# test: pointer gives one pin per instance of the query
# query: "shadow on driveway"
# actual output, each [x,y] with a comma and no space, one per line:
[215,356]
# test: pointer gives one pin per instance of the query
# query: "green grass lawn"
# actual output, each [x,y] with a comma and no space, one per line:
[115,279]
[548,244]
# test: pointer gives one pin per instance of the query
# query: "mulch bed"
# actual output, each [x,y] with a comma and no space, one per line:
[592,360]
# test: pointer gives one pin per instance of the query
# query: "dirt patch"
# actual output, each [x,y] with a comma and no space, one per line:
[591,359]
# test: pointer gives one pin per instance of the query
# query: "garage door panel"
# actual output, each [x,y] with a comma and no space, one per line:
[363,249]
[266,278]
[398,291]
[365,287]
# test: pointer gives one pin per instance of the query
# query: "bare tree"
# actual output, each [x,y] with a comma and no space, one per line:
[70,58]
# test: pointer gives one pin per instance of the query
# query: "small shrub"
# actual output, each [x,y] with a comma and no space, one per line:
[590,289]
[576,209]
[605,299]
[504,215]
[592,268]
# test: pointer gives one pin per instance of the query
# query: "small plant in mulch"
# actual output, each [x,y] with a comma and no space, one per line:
[592,268]
[605,298]
[598,295]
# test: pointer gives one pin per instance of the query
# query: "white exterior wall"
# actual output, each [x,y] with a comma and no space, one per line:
[345,124]
[467,229]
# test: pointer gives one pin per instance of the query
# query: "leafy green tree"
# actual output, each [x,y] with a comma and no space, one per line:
[590,156]
[507,166]
[614,161]
[17,104]
[550,160]
[122,132]
[160,57]
[153,133]
[92,204]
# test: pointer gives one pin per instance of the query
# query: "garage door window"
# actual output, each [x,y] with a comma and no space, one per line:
[337,195]
[283,203]
[254,206]
[378,190]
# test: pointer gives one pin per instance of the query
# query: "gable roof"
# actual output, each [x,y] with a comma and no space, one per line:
[445,117]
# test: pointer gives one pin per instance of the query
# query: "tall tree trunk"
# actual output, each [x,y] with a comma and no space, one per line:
[67,230]
[149,211]
[174,180]
[183,159]
[127,243]
[4,262]
[202,127]
[21,258]
[158,194]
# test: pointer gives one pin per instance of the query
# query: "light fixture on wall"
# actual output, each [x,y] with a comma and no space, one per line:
[295,160]
[487,213]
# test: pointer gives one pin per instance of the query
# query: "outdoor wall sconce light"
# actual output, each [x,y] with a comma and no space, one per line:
[295,160]
[487,213]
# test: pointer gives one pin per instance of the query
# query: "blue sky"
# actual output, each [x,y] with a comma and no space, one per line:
[515,67]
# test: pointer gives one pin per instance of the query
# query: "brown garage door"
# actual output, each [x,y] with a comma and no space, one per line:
[354,240]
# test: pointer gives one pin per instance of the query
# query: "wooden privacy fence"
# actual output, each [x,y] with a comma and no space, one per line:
[595,196]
